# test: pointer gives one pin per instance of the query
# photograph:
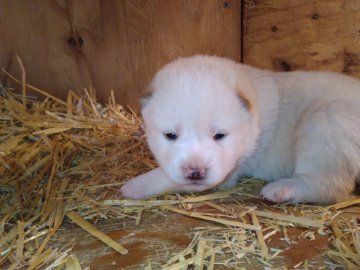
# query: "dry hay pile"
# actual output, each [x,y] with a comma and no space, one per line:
[58,156]
[67,159]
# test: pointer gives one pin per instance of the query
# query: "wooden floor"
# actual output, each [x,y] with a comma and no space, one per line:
[158,237]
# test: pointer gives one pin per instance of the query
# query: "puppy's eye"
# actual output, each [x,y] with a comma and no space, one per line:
[219,136]
[171,136]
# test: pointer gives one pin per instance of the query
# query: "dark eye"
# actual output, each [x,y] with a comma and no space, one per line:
[219,136]
[171,136]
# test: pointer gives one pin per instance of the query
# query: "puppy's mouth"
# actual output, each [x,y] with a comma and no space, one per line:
[196,186]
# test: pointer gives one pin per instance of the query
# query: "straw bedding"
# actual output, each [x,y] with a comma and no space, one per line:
[65,160]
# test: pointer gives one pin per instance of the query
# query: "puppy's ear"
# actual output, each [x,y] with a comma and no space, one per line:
[244,100]
[145,99]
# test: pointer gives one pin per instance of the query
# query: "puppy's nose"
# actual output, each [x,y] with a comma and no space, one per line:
[195,174]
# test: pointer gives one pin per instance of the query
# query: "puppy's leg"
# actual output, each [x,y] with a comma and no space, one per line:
[286,190]
[309,188]
[327,158]
[146,185]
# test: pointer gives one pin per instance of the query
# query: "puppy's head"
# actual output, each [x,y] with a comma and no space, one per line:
[200,119]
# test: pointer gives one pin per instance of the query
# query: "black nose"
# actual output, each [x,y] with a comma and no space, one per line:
[196,175]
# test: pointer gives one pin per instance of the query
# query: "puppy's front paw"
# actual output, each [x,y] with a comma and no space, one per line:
[280,191]
[146,185]
[134,189]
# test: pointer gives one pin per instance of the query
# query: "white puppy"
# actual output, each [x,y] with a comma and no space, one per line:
[211,121]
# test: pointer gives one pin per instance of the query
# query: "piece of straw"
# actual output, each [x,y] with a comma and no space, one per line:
[199,256]
[263,247]
[20,242]
[95,232]
[23,80]
[34,88]
[73,263]
[292,219]
[344,204]
[217,220]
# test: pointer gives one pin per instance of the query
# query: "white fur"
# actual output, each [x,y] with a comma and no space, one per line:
[301,129]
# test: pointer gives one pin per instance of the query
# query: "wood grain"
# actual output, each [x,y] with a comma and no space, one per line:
[111,44]
[291,35]
[158,237]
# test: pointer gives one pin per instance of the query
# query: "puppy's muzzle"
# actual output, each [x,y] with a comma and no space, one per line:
[195,174]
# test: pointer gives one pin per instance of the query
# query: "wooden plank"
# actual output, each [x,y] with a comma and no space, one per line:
[111,44]
[154,239]
[291,35]
[158,237]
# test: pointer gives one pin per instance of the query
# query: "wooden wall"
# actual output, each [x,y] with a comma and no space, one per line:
[119,44]
[303,34]
[72,44]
